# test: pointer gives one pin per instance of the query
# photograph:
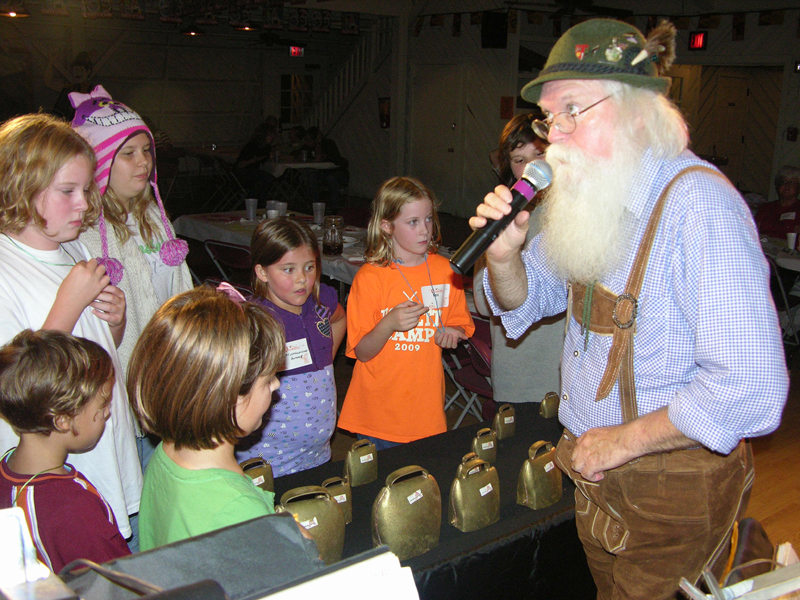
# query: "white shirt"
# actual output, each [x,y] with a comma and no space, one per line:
[28,289]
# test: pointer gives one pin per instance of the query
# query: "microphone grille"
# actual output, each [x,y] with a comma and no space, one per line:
[539,173]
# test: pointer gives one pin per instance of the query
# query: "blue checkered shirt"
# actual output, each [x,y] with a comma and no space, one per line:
[707,344]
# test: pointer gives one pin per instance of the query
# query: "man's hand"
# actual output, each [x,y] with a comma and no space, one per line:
[449,337]
[495,206]
[604,448]
[599,450]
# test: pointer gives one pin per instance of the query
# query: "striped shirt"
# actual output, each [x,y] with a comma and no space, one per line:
[66,516]
[708,344]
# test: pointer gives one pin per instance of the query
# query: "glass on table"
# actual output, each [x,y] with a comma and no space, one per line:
[332,239]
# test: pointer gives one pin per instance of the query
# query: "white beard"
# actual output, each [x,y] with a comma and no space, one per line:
[585,215]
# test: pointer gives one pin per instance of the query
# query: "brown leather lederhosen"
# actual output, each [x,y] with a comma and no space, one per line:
[615,315]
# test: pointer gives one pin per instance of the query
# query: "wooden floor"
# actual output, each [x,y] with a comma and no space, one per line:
[775,500]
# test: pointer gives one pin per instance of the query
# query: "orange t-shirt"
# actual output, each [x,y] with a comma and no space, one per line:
[399,394]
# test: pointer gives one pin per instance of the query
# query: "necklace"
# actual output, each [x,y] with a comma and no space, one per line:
[19,492]
[399,262]
[74,262]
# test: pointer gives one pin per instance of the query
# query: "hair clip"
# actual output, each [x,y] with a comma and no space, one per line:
[231,292]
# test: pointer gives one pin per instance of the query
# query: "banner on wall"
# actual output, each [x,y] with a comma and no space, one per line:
[169,11]
[321,21]
[297,19]
[206,15]
[132,10]
[350,23]
[97,9]
[273,16]
[55,7]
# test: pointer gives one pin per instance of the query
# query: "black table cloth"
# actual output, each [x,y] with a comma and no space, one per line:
[526,554]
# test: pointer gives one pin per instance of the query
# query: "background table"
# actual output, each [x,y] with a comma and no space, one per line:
[527,554]
[233,227]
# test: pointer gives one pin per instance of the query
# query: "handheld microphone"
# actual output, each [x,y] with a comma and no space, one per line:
[536,177]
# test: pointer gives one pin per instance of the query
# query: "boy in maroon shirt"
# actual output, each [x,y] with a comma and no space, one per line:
[55,392]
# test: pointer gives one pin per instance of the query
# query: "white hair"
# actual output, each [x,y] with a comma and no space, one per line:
[654,120]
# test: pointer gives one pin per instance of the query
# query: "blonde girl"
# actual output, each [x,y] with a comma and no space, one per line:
[201,377]
[405,305]
[49,280]
[133,237]
[285,280]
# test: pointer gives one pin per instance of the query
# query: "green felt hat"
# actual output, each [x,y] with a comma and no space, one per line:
[609,49]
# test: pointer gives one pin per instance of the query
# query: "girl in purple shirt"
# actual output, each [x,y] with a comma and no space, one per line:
[285,279]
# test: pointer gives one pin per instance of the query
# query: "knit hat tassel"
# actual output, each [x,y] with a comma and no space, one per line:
[114,268]
[173,252]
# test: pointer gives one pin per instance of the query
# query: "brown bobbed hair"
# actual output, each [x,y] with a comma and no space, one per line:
[271,240]
[33,148]
[389,200]
[48,374]
[196,356]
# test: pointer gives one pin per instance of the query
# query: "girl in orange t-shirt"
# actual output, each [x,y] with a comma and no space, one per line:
[405,305]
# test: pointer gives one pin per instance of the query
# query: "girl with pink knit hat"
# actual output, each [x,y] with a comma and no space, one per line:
[133,237]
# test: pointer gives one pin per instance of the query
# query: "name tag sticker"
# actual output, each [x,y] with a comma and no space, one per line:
[258,480]
[508,420]
[549,467]
[366,458]
[788,216]
[310,524]
[341,498]
[437,296]
[486,489]
[297,354]
[473,470]
[487,445]
[415,496]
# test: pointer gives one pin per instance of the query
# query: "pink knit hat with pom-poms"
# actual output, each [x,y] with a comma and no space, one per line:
[107,124]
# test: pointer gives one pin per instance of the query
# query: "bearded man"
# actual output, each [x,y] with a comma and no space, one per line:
[644,244]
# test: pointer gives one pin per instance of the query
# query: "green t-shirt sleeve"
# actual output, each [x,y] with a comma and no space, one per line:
[245,507]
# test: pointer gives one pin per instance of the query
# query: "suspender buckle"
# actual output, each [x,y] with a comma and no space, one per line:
[634,312]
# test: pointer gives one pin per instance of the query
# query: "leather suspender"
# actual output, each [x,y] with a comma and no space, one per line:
[615,315]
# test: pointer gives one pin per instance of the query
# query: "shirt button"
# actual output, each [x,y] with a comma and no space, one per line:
[565,397]
[576,353]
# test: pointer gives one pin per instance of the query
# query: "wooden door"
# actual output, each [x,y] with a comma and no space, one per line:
[436,139]
[728,121]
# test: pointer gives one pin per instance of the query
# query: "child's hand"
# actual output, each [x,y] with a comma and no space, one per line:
[448,337]
[82,284]
[109,305]
[405,315]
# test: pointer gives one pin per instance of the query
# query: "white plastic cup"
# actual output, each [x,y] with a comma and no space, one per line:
[791,240]
[282,207]
[272,213]
[251,204]
[319,212]
[272,205]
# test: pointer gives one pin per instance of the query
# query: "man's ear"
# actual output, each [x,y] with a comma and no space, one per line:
[261,273]
[386,227]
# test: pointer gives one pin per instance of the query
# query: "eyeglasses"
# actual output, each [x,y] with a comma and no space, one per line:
[564,121]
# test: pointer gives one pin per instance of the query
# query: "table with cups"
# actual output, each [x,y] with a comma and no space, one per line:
[236,228]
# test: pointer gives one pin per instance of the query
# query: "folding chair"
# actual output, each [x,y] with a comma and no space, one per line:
[475,378]
[227,193]
[783,301]
[232,261]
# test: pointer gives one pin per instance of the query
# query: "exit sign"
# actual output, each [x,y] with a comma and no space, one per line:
[698,40]
[296,51]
